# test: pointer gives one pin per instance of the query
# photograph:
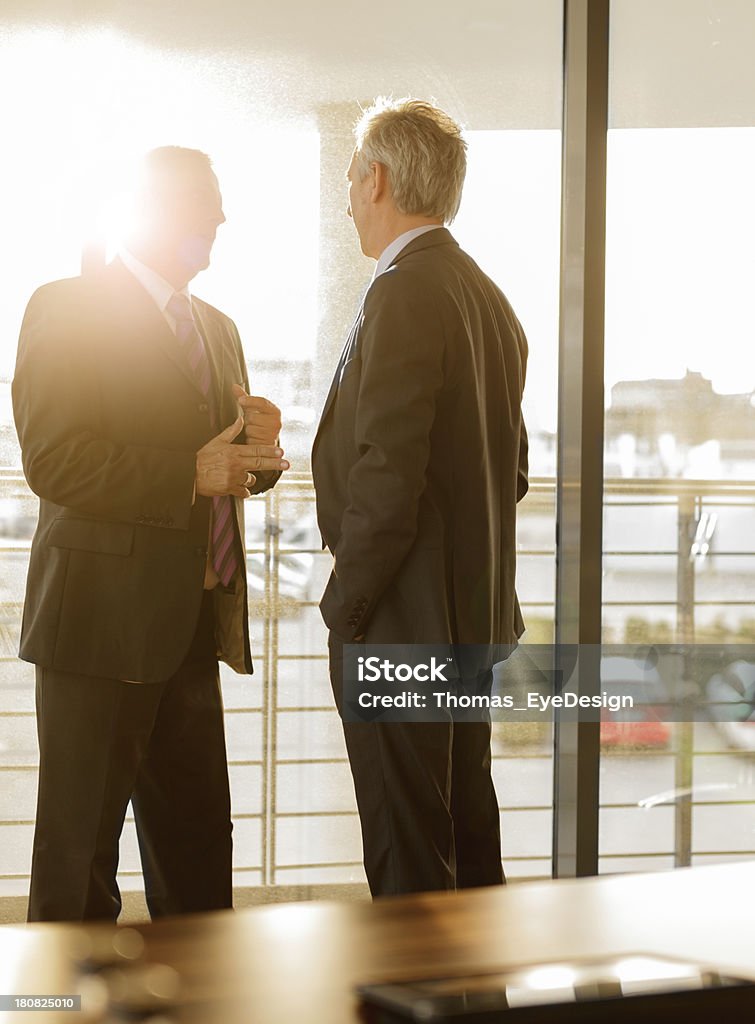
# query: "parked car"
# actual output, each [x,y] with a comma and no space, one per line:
[643,725]
[295,562]
[731,703]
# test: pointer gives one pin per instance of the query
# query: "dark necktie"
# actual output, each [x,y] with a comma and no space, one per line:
[223,554]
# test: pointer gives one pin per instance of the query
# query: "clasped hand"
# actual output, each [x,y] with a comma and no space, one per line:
[227,468]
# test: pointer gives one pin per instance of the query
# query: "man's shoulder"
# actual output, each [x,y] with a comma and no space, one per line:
[97,283]
[417,271]
[67,294]
[440,281]
[433,257]
[451,266]
[63,288]
[409,285]
[437,270]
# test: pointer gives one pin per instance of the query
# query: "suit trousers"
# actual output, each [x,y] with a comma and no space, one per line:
[104,742]
[427,804]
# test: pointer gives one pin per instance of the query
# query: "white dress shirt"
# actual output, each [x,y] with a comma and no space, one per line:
[391,251]
[158,289]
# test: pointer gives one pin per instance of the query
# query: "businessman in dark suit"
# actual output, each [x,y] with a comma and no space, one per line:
[127,399]
[418,463]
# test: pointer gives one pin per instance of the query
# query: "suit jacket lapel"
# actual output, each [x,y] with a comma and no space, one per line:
[346,352]
[142,318]
[215,349]
[441,236]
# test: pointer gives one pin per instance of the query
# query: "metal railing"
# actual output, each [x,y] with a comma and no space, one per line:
[287,576]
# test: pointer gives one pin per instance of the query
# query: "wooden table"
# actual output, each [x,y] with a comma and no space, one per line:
[298,963]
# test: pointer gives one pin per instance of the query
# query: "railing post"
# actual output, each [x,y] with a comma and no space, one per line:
[685,574]
[684,733]
[270,686]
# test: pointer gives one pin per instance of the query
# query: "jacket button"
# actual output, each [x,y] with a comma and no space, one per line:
[203,407]
[201,552]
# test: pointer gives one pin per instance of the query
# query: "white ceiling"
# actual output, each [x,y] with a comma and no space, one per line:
[493,63]
[490,62]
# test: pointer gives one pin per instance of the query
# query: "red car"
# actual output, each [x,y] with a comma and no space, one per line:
[643,725]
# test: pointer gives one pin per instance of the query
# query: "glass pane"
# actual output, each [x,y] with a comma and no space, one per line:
[271,93]
[679,524]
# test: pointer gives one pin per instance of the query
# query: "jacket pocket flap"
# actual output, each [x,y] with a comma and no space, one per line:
[92,535]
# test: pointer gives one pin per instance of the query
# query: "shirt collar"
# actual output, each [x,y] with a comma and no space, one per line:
[391,251]
[160,290]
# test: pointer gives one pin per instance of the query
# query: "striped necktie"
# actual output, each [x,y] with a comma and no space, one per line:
[223,555]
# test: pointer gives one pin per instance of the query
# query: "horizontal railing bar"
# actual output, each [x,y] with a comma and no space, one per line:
[670,805]
[675,554]
[290,709]
[610,752]
[744,854]
[643,554]
[505,808]
[723,603]
[512,859]
[358,863]
[301,551]
[662,486]
[311,760]
[302,657]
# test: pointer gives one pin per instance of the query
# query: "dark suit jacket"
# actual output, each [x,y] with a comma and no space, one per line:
[421,456]
[109,420]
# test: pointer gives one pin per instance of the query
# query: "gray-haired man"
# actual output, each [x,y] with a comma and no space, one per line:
[419,461]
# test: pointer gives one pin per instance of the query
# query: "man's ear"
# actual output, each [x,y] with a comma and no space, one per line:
[379,174]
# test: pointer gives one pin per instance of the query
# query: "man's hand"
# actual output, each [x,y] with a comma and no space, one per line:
[262,419]
[227,468]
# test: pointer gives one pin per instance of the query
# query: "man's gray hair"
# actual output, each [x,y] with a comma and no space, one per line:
[423,151]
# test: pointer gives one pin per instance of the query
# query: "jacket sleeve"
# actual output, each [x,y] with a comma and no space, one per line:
[264,481]
[57,403]
[402,351]
[522,481]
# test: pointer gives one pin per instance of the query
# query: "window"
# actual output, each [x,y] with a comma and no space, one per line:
[271,94]
[679,516]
